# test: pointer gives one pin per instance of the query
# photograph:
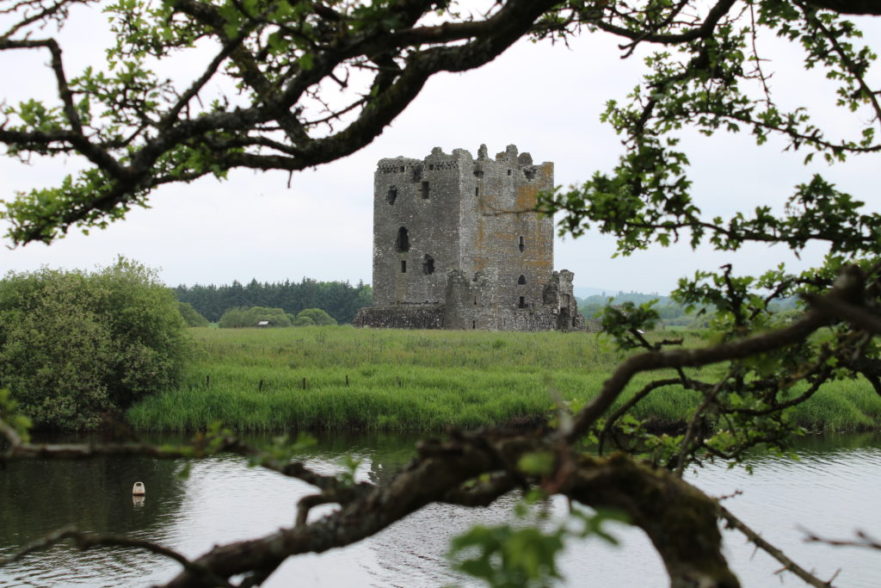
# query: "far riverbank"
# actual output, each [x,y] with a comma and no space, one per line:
[342,378]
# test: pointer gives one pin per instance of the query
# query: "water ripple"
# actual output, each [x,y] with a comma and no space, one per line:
[830,492]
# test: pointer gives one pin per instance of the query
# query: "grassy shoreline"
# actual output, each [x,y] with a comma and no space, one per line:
[342,378]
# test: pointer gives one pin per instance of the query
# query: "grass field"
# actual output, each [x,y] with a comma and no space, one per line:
[314,378]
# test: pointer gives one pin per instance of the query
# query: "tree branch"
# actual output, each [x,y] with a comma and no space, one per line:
[85,541]
[788,564]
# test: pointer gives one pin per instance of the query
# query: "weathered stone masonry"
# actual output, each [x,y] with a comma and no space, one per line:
[457,245]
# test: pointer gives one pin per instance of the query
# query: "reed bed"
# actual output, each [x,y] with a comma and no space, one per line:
[342,378]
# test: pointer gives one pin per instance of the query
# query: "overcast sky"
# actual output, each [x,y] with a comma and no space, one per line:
[545,99]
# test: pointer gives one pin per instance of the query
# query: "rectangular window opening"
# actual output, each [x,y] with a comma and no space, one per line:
[403,266]
[425,190]
[522,302]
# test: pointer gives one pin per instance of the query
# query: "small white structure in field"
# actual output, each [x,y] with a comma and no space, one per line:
[138,489]
[262,323]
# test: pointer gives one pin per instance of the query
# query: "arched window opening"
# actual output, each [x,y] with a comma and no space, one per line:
[521,244]
[427,264]
[402,243]
[521,280]
[522,302]
[392,195]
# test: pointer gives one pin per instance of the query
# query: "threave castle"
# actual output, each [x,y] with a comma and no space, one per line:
[457,245]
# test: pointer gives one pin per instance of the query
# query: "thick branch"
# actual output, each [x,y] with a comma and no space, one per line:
[869,7]
[679,519]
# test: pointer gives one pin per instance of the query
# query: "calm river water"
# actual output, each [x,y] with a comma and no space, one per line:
[833,489]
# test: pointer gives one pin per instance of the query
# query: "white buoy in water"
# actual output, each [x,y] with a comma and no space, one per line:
[138,489]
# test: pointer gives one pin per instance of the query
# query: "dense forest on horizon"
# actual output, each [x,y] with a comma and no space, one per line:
[341,300]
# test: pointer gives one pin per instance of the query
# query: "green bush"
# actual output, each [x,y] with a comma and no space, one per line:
[75,346]
[253,317]
[313,316]
[191,316]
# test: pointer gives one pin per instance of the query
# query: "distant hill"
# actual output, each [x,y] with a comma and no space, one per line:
[587,291]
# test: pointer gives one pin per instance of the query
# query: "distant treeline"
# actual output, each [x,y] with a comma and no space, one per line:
[340,300]
[671,313]
[667,308]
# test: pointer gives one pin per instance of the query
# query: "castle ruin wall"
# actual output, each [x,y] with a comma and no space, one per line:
[458,244]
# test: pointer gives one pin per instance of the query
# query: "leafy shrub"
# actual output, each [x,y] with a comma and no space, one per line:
[191,316]
[75,346]
[252,317]
[313,316]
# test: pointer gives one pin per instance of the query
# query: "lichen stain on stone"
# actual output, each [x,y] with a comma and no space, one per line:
[527,197]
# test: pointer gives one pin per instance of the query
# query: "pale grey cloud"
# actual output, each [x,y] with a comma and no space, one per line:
[546,99]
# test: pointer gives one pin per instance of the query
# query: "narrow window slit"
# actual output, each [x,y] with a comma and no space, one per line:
[428,265]
[402,243]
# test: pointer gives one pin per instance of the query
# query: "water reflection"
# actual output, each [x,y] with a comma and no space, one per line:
[830,490]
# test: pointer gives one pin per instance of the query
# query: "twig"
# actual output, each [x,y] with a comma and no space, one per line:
[774,552]
[863,540]
[709,399]
[85,541]
[230,444]
[612,388]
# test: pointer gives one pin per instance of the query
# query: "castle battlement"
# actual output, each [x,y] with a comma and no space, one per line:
[462,235]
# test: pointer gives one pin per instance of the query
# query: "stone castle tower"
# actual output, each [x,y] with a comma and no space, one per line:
[457,245]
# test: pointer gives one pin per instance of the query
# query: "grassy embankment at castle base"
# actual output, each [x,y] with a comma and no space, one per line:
[394,380]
